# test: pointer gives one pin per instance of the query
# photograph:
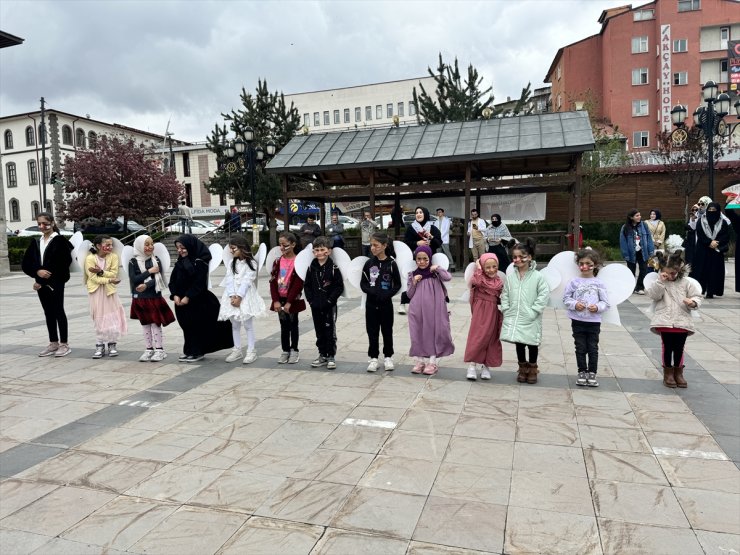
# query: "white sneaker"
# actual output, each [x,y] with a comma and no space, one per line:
[235,354]
[373,366]
[319,361]
[388,364]
[402,309]
[283,358]
[472,374]
[485,374]
[294,357]
[146,356]
[99,351]
[250,358]
[158,356]
[331,364]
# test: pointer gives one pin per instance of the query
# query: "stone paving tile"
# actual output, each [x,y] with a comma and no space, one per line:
[18,541]
[698,473]
[550,492]
[264,536]
[629,538]
[540,531]
[473,483]
[17,494]
[714,543]
[305,501]
[341,542]
[396,473]
[623,466]
[714,511]
[638,503]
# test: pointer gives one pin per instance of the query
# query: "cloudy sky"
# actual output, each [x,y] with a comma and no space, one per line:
[142,62]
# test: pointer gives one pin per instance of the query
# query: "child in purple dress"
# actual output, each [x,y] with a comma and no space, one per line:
[429,321]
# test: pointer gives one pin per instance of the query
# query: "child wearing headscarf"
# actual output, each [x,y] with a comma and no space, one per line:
[429,321]
[147,279]
[420,232]
[483,348]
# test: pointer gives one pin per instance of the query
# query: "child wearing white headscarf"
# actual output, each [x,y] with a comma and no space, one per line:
[147,279]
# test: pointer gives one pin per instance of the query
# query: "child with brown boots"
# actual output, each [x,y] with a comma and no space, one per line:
[675,296]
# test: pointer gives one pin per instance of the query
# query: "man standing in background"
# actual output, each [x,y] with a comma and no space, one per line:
[476,241]
[367,227]
[443,224]
[186,217]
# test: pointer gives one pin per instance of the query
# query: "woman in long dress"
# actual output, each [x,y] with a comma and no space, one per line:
[712,242]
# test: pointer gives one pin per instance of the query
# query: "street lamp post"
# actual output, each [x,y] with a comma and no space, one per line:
[708,122]
[244,155]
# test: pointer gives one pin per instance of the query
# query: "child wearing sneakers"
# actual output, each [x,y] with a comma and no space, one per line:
[147,280]
[286,287]
[323,286]
[240,302]
[585,298]
[380,281]
[100,276]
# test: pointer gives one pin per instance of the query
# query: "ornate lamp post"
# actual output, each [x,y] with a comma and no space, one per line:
[243,155]
[708,123]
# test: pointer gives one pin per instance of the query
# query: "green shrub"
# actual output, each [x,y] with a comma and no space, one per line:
[15,254]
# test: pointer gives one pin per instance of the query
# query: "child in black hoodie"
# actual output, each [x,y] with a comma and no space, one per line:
[324,283]
[381,280]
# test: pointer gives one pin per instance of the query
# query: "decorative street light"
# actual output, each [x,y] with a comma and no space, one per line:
[243,155]
[708,122]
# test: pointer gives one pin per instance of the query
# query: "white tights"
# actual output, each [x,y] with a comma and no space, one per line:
[153,336]
[432,359]
[236,333]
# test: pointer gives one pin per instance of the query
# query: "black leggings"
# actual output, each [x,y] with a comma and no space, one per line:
[521,354]
[673,345]
[52,301]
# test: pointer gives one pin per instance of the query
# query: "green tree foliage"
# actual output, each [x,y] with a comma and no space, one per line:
[270,118]
[455,99]
[117,177]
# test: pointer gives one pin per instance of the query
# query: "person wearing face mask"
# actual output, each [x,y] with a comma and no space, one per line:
[712,242]
[497,236]
[689,243]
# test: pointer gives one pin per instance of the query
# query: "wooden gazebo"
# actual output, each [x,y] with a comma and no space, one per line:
[538,153]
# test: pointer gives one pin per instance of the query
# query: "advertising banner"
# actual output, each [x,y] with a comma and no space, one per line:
[733,63]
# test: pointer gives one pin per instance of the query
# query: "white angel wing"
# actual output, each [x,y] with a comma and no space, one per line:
[227,257]
[302,262]
[620,283]
[343,262]
[118,249]
[76,240]
[126,256]
[564,264]
[272,256]
[161,252]
[552,276]
[354,275]
[441,260]
[82,251]
[469,271]
[405,261]
[217,256]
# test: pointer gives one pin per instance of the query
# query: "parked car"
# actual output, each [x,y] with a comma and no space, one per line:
[131,225]
[34,231]
[247,226]
[347,221]
[197,227]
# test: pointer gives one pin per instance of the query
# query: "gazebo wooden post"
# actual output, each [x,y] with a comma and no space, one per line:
[577,204]
[371,182]
[322,215]
[466,251]
[286,205]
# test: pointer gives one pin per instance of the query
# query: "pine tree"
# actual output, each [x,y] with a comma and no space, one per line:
[457,100]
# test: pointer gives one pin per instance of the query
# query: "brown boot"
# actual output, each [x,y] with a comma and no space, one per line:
[521,377]
[532,374]
[678,376]
[669,379]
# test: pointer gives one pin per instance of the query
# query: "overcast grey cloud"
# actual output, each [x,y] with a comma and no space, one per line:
[140,63]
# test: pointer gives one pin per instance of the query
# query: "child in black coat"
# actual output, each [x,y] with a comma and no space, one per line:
[323,286]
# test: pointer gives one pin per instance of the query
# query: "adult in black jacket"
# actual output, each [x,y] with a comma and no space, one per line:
[196,307]
[712,242]
[323,285]
[421,232]
[47,261]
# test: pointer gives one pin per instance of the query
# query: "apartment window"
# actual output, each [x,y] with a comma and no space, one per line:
[689,5]
[49,207]
[8,139]
[306,119]
[639,45]
[642,15]
[358,114]
[346,115]
[35,210]
[412,108]
[66,135]
[681,45]
[640,76]
[316,120]
[80,138]
[186,164]
[29,136]
[640,139]
[45,176]
[681,78]
[33,173]
[326,117]
[400,109]
[92,139]
[336,117]
[560,101]
[639,107]
[12,176]
[15,210]
[724,36]
[389,111]
[559,72]
[368,113]
[378,112]
[723,71]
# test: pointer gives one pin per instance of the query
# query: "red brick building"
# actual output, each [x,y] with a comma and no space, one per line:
[644,61]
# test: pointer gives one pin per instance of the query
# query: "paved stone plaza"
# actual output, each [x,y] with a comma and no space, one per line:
[117,456]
